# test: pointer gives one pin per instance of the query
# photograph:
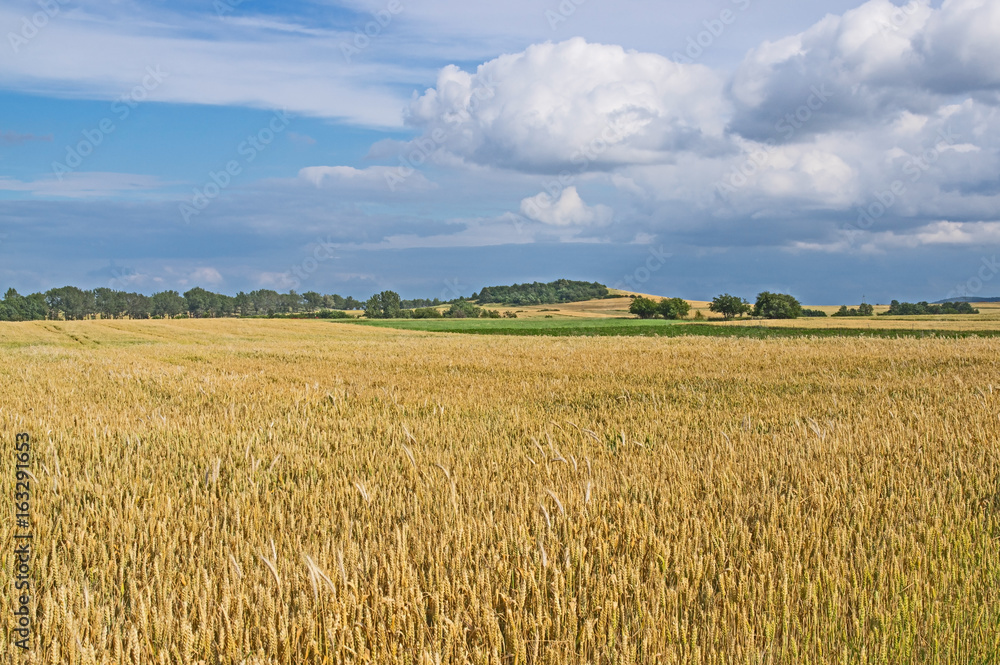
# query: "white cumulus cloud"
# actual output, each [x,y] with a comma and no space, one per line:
[568,210]
[573,105]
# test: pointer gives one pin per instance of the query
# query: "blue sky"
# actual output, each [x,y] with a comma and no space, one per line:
[834,150]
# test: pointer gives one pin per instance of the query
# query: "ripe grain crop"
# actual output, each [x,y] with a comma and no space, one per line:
[303,492]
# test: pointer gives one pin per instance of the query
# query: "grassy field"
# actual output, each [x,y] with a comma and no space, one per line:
[593,315]
[603,326]
[253,491]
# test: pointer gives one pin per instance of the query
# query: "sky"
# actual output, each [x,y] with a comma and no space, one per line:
[838,151]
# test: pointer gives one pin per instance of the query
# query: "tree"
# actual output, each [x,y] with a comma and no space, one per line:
[864,309]
[373,307]
[897,308]
[136,305]
[166,304]
[673,308]
[729,306]
[463,309]
[109,304]
[644,308]
[72,302]
[777,306]
[536,293]
[313,300]
[391,308]
[290,302]
[264,302]
[385,305]
[201,303]
[16,307]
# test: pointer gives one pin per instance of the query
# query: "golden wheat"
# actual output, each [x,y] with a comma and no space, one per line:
[307,492]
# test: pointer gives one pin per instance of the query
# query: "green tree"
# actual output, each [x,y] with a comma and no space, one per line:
[291,302]
[109,304]
[729,306]
[674,308]
[463,309]
[373,307]
[384,305]
[644,308]
[71,302]
[391,308]
[864,309]
[13,307]
[777,306]
[201,303]
[167,304]
[313,300]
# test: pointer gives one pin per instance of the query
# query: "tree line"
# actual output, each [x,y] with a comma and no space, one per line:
[783,306]
[897,308]
[537,293]
[769,306]
[387,305]
[72,303]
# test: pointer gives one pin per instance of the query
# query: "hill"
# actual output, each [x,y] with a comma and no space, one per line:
[537,293]
[965,299]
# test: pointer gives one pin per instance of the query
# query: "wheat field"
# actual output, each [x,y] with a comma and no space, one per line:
[293,492]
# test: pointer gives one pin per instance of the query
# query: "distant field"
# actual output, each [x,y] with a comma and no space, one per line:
[572,327]
[617,308]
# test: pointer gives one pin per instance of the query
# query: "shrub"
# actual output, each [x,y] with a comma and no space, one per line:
[674,308]
[776,306]
[463,309]
[897,308]
[644,308]
[729,306]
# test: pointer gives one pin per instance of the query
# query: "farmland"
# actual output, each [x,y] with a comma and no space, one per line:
[274,491]
[756,329]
